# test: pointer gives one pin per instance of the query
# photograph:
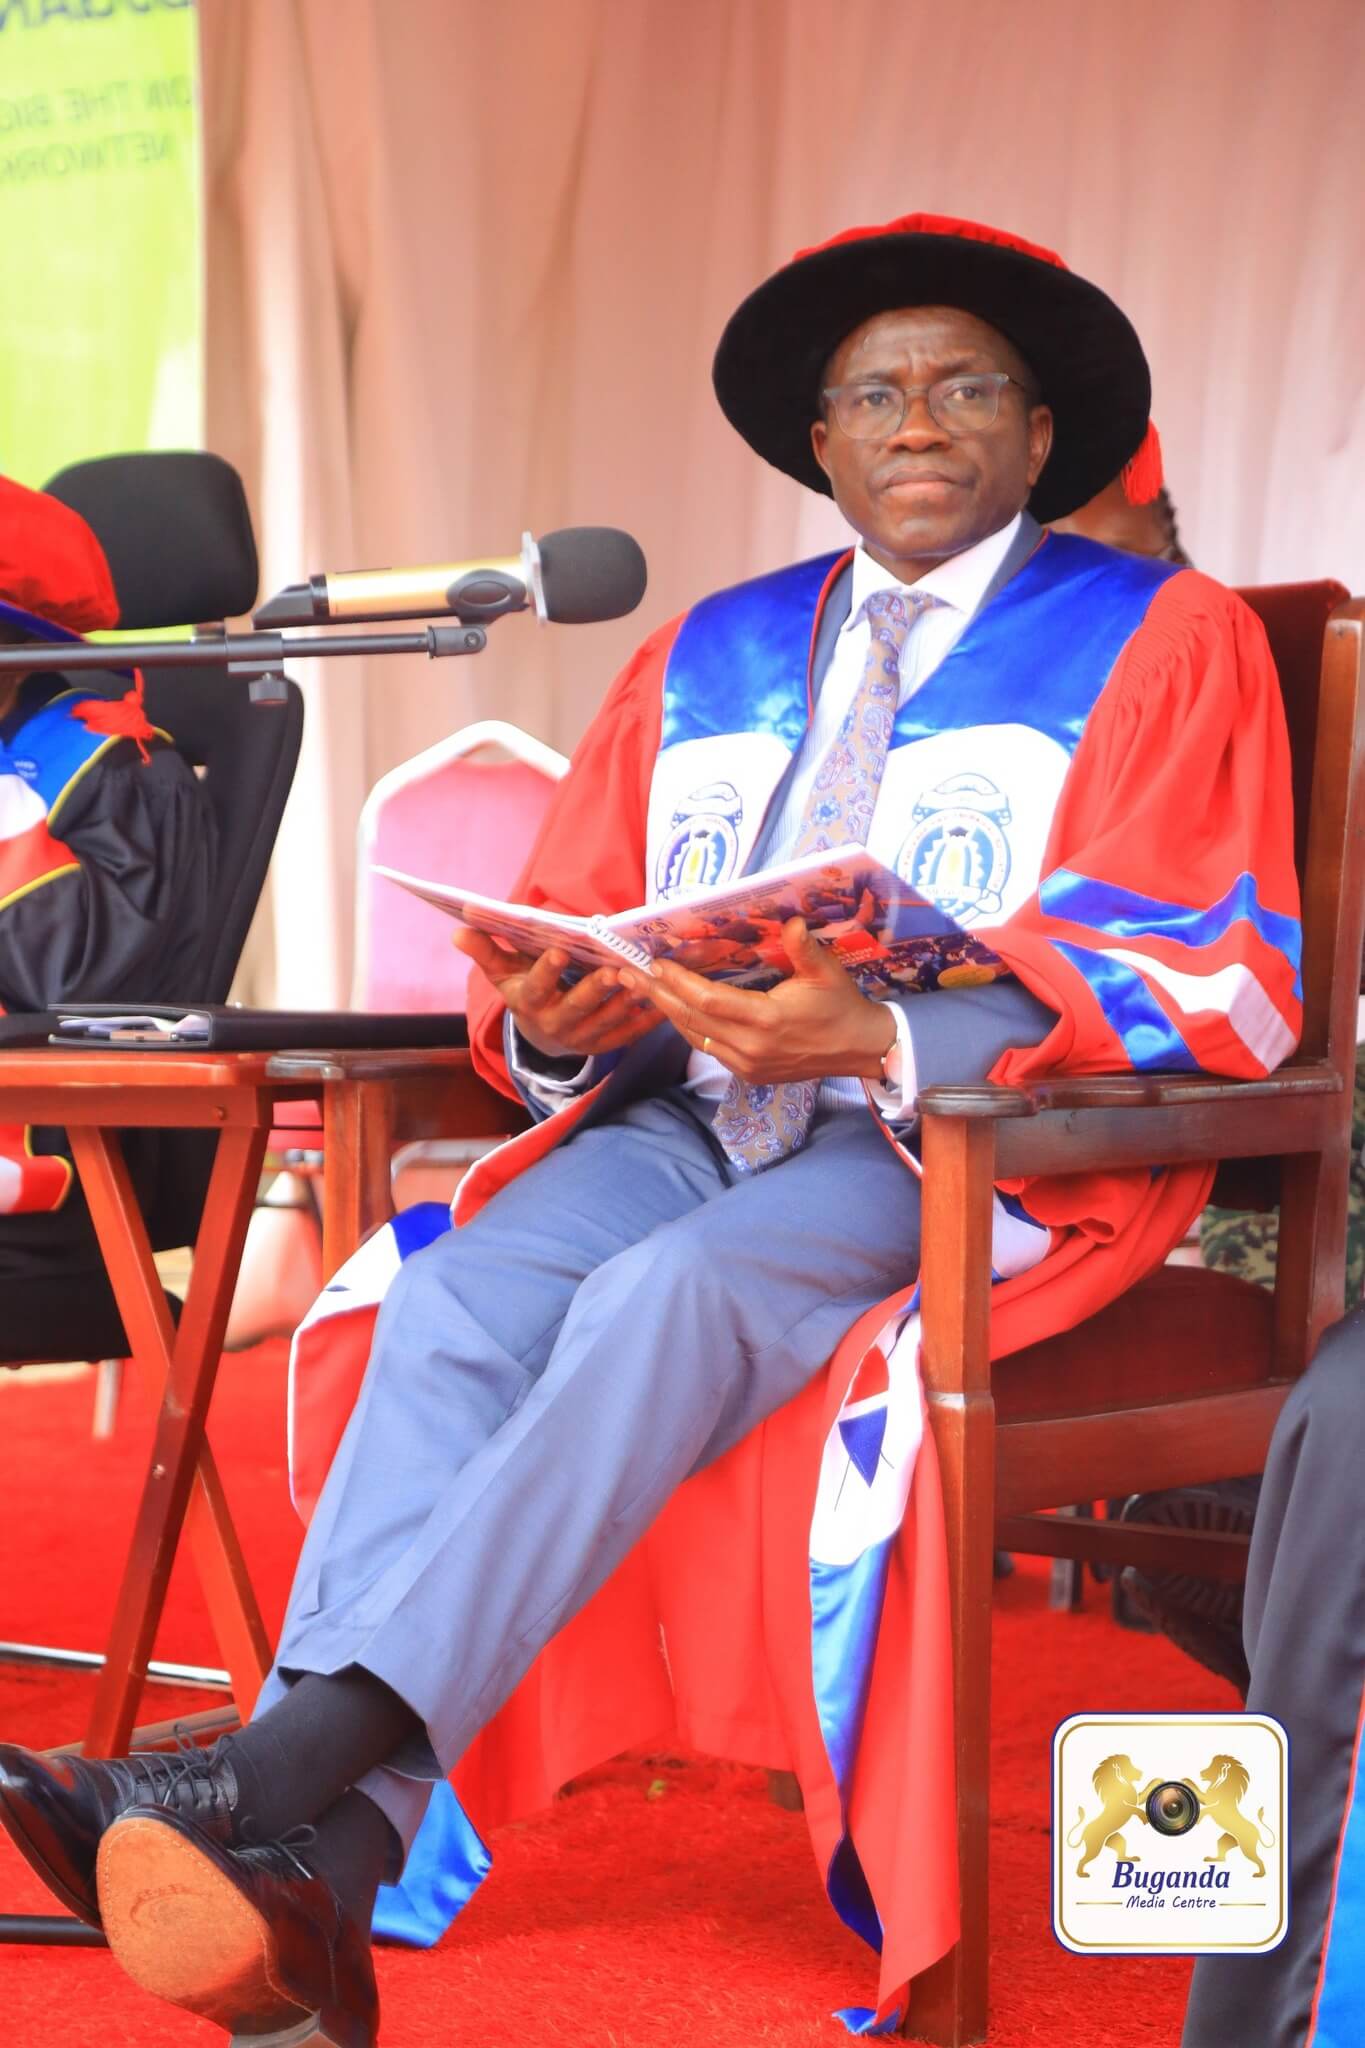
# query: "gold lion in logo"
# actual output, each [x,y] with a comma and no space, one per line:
[1221,1795]
[1116,1786]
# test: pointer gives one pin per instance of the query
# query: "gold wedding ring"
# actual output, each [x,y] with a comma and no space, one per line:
[706,1045]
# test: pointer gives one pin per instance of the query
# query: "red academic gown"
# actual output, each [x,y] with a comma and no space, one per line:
[1179,785]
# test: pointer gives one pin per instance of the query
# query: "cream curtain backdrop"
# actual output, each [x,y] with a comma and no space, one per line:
[467,264]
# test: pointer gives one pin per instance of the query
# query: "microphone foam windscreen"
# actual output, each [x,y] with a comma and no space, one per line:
[176,530]
[591,573]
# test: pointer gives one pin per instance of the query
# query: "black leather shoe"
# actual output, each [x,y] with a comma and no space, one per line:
[250,1938]
[1203,1617]
[56,1808]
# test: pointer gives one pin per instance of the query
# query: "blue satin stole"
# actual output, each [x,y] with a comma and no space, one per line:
[52,746]
[1038,653]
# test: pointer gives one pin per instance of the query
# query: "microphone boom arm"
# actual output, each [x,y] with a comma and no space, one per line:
[258,656]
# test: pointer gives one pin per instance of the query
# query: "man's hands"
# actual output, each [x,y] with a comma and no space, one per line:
[816,1024]
[813,1025]
[596,1015]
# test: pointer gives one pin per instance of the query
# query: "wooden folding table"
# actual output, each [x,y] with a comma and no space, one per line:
[371,1101]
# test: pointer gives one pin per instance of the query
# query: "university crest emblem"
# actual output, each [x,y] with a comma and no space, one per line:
[956,853]
[702,842]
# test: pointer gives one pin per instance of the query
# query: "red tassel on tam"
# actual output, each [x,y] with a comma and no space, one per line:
[1142,473]
[122,718]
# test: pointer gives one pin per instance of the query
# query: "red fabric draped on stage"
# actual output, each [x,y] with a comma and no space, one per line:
[664,1899]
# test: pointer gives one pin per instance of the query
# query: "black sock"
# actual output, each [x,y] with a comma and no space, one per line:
[351,1848]
[297,1760]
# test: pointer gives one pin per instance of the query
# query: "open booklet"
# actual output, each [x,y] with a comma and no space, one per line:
[888,935]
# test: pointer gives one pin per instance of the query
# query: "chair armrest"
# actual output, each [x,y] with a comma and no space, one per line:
[1099,1122]
[1124,1091]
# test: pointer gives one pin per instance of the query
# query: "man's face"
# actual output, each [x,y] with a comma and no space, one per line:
[923,493]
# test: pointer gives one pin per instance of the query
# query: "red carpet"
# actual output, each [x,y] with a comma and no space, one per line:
[662,1903]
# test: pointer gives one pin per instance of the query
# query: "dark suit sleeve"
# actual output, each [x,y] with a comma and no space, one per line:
[1304,1628]
[545,1083]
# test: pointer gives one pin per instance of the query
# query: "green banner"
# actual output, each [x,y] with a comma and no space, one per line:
[100,316]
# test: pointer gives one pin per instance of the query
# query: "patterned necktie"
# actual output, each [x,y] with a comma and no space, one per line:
[758,1124]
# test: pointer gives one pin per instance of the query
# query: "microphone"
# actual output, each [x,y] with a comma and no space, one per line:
[574,577]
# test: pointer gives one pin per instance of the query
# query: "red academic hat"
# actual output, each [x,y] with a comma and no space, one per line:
[54,579]
[55,584]
[1084,352]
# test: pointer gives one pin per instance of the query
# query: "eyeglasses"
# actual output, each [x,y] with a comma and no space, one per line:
[961,405]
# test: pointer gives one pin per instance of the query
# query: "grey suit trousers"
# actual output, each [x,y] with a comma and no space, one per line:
[543,1378]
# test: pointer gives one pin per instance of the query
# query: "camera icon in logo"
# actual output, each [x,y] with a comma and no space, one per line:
[1172,1807]
[1137,1868]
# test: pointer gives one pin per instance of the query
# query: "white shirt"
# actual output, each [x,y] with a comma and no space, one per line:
[958,587]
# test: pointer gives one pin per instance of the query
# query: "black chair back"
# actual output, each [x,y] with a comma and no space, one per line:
[246,754]
[175,530]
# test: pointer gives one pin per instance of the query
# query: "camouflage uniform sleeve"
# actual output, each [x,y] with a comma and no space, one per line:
[1244,1242]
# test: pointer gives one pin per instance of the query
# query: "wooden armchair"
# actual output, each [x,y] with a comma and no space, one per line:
[1182,1378]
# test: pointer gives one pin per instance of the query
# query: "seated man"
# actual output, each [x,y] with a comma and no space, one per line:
[106,861]
[1078,755]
